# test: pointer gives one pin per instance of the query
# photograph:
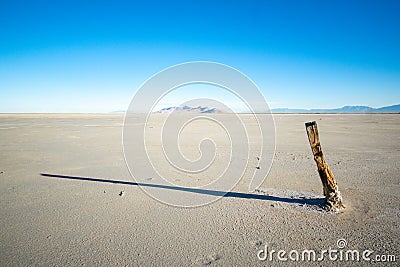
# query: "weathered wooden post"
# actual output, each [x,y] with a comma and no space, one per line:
[333,198]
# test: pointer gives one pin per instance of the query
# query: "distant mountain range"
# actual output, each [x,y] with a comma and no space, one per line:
[345,109]
[198,109]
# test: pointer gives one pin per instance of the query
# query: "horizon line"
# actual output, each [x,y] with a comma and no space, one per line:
[281,110]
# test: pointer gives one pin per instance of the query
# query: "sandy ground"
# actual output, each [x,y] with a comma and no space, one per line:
[75,214]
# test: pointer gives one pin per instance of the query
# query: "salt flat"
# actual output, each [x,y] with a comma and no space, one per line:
[61,178]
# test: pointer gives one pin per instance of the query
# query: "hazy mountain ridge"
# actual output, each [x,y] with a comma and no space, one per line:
[198,109]
[345,109]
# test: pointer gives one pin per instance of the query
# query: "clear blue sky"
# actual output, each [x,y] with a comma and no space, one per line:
[91,56]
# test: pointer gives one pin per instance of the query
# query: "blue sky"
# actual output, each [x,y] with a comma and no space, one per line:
[91,56]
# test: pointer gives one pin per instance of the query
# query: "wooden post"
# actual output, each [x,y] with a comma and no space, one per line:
[333,198]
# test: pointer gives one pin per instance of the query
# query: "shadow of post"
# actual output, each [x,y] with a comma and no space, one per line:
[314,201]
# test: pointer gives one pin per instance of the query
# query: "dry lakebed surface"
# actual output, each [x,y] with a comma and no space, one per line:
[67,198]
